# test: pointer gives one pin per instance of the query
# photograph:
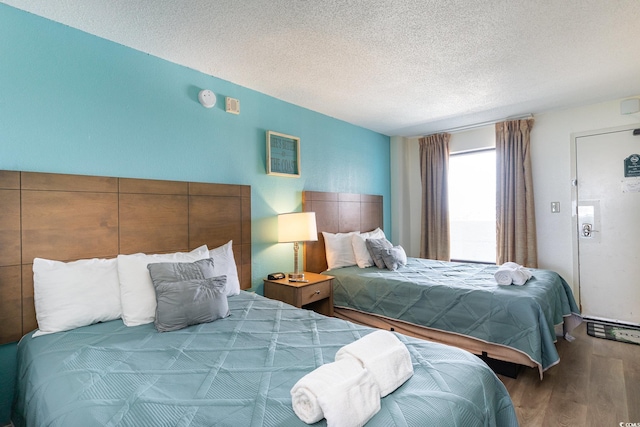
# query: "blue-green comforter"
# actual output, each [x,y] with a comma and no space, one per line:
[464,298]
[236,371]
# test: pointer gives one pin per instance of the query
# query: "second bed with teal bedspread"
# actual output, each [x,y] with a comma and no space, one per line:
[464,298]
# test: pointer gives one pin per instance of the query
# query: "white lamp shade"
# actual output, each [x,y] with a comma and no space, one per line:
[297,227]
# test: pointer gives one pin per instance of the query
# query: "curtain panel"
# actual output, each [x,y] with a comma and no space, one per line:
[434,171]
[515,215]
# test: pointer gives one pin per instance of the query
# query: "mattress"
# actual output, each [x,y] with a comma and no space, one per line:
[465,299]
[236,371]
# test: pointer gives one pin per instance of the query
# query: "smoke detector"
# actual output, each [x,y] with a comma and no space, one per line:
[207,98]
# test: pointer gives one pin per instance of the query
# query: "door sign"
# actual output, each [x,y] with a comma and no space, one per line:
[632,166]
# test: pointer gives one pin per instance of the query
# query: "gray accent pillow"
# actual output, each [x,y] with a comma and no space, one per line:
[394,257]
[375,248]
[178,271]
[190,302]
[187,293]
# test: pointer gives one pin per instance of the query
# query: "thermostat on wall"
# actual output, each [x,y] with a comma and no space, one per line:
[232,105]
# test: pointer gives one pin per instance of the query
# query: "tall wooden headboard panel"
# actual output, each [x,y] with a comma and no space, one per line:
[70,217]
[338,213]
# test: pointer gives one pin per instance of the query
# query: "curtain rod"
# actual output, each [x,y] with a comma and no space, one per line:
[478,125]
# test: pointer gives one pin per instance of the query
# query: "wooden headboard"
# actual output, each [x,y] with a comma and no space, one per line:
[70,217]
[338,213]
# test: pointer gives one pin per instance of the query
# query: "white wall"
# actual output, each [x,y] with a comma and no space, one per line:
[405,194]
[475,139]
[551,162]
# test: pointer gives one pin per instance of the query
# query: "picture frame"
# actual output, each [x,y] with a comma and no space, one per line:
[283,155]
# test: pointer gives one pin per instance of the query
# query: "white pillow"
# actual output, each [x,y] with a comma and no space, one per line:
[225,264]
[74,294]
[136,289]
[339,250]
[358,241]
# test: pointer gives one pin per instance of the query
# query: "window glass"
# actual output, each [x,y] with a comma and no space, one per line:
[472,206]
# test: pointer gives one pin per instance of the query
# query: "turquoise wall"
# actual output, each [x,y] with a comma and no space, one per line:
[7,380]
[74,103]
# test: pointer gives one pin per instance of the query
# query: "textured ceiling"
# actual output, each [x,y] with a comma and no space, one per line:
[397,67]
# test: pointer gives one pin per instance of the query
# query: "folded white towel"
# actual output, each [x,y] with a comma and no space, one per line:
[520,276]
[384,355]
[512,273]
[503,274]
[343,392]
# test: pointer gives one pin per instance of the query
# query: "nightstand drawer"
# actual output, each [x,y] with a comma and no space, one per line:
[315,292]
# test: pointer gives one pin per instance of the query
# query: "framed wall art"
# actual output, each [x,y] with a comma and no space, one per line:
[283,155]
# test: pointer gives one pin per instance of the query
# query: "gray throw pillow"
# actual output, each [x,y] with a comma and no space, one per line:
[187,294]
[190,302]
[177,271]
[375,248]
[394,258]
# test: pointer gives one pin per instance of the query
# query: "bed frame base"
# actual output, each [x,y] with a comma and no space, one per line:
[501,367]
[503,360]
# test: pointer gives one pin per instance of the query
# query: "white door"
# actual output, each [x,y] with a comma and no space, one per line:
[608,225]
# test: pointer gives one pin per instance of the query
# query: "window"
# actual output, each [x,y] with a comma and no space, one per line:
[472,206]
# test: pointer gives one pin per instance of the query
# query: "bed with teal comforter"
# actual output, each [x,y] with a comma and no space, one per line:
[236,371]
[465,299]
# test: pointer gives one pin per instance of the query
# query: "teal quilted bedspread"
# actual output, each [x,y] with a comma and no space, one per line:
[236,371]
[464,298]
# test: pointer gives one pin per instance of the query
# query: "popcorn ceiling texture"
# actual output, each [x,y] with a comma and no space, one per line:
[401,68]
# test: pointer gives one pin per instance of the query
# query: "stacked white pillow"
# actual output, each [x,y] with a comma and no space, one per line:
[358,242]
[339,250]
[136,289]
[348,249]
[74,294]
[79,293]
[225,264]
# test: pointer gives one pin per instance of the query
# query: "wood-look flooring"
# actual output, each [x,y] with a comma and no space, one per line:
[596,383]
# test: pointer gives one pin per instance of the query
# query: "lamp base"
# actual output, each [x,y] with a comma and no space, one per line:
[296,276]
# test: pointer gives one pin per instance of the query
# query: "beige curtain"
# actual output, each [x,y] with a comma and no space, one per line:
[434,170]
[515,216]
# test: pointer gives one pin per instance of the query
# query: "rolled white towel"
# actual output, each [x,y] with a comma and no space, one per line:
[520,275]
[512,273]
[343,392]
[384,355]
[503,274]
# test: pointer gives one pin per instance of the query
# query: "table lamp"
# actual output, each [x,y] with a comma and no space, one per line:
[297,227]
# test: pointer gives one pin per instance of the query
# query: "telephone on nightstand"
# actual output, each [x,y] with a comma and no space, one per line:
[276,276]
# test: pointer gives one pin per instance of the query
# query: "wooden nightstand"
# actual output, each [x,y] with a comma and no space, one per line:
[316,294]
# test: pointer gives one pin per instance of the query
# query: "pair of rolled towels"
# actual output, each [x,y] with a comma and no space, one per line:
[347,392]
[511,273]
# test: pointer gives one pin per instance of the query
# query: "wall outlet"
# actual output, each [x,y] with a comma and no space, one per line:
[555,207]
